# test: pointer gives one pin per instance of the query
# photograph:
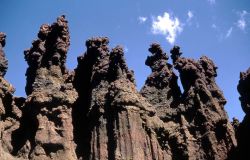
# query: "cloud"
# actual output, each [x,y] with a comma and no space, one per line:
[142,19]
[241,23]
[167,26]
[211,1]
[190,15]
[229,32]
[214,26]
[125,49]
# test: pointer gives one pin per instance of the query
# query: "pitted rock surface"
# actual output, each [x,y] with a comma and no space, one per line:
[95,112]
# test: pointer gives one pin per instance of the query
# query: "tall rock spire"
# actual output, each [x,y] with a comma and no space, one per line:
[161,88]
[202,107]
[96,112]
[115,116]
[50,98]
[48,51]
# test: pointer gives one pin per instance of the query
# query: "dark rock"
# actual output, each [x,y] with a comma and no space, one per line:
[109,107]
[50,98]
[96,112]
[196,118]
[3,60]
[202,106]
[10,112]
[50,49]
[161,88]
[243,129]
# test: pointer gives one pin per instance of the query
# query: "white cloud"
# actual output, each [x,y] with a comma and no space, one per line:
[214,26]
[190,15]
[125,49]
[229,32]
[244,13]
[142,19]
[241,23]
[211,1]
[167,26]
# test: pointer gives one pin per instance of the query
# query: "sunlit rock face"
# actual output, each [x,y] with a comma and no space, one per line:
[96,112]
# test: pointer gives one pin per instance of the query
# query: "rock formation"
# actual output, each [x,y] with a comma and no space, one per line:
[50,96]
[10,112]
[116,117]
[3,60]
[96,112]
[161,87]
[243,129]
[202,106]
[201,124]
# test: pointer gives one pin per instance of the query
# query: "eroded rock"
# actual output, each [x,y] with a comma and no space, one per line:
[50,98]
[96,111]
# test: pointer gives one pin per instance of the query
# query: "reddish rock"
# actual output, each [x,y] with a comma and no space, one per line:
[202,129]
[161,87]
[116,117]
[203,109]
[96,111]
[50,98]
[10,106]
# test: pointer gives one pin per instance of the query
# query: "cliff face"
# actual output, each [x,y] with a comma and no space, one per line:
[96,112]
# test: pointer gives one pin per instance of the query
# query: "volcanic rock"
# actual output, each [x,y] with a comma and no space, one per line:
[116,117]
[96,112]
[50,98]
[10,112]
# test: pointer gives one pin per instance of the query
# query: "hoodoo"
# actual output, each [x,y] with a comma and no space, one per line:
[95,112]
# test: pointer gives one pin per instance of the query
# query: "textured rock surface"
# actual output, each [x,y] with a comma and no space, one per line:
[3,60]
[10,112]
[50,98]
[116,117]
[161,87]
[202,129]
[96,112]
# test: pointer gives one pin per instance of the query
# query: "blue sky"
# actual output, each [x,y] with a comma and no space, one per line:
[216,28]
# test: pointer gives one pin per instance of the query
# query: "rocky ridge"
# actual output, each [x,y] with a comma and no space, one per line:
[96,112]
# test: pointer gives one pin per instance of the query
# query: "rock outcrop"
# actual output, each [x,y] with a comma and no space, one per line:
[119,122]
[243,129]
[161,88]
[10,106]
[96,112]
[202,106]
[202,129]
[3,60]
[50,97]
